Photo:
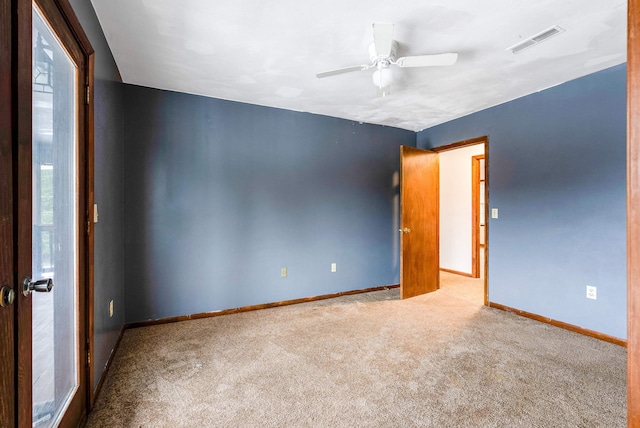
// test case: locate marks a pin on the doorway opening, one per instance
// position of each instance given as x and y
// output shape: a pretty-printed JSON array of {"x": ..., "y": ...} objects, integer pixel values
[{"x": 463, "y": 214}]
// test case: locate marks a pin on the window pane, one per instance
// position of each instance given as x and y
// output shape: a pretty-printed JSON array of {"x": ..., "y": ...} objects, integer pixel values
[{"x": 55, "y": 377}]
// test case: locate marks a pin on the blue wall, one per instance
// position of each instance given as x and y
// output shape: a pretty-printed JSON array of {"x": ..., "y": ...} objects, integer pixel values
[
  {"x": 220, "y": 195},
  {"x": 558, "y": 177},
  {"x": 108, "y": 99}
]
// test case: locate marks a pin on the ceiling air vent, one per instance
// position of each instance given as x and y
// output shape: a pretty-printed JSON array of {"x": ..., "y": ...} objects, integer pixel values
[{"x": 536, "y": 39}]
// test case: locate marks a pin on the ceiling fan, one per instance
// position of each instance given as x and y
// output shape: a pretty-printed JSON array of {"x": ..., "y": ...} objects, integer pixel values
[{"x": 382, "y": 52}]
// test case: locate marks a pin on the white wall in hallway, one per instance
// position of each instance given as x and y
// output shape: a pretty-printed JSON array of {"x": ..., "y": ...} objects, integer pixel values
[{"x": 455, "y": 207}]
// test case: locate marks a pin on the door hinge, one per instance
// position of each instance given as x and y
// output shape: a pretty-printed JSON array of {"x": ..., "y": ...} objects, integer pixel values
[
  {"x": 88, "y": 358},
  {"x": 88, "y": 91},
  {"x": 88, "y": 227}
]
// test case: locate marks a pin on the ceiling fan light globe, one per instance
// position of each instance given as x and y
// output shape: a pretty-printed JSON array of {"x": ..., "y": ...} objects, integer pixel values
[{"x": 382, "y": 77}]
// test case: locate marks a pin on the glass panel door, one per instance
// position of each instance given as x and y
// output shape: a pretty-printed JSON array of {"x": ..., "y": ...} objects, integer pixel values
[{"x": 55, "y": 226}]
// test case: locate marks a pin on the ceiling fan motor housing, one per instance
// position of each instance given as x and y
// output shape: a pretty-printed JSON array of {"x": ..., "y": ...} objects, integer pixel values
[{"x": 375, "y": 58}]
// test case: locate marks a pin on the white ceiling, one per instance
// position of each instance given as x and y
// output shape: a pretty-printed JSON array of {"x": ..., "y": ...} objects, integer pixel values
[{"x": 267, "y": 52}]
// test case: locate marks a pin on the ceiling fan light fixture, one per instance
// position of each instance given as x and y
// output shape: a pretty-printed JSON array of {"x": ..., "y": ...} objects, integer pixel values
[{"x": 382, "y": 77}]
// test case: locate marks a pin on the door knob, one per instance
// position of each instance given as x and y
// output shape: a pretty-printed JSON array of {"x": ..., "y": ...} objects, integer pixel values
[
  {"x": 8, "y": 296},
  {"x": 41, "y": 285},
  {"x": 404, "y": 230}
]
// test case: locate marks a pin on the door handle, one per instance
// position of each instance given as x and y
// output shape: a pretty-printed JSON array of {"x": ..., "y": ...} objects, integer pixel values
[
  {"x": 404, "y": 230},
  {"x": 8, "y": 296},
  {"x": 41, "y": 285}
]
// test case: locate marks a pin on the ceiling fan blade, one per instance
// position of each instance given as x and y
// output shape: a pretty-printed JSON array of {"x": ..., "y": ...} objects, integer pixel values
[
  {"x": 427, "y": 60},
  {"x": 383, "y": 39},
  {"x": 341, "y": 71}
]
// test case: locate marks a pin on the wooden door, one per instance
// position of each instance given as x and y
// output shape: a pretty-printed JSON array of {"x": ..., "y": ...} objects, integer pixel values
[
  {"x": 58, "y": 220},
  {"x": 420, "y": 222},
  {"x": 43, "y": 179},
  {"x": 478, "y": 208},
  {"x": 7, "y": 310}
]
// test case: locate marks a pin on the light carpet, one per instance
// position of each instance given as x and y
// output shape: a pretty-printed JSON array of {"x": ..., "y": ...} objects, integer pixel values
[{"x": 367, "y": 360}]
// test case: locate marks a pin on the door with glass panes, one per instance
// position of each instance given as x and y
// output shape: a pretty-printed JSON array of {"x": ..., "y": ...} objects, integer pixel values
[{"x": 48, "y": 235}]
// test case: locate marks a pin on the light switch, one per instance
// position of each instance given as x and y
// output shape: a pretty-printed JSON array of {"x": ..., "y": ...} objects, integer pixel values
[
  {"x": 494, "y": 213},
  {"x": 95, "y": 213}
]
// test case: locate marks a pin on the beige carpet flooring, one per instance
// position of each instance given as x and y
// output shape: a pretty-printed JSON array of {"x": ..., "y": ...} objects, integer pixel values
[{"x": 368, "y": 360}]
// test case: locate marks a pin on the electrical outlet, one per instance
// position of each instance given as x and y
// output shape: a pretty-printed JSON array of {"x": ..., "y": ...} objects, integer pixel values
[
  {"x": 283, "y": 272},
  {"x": 334, "y": 267},
  {"x": 592, "y": 292},
  {"x": 110, "y": 308}
]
